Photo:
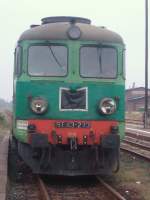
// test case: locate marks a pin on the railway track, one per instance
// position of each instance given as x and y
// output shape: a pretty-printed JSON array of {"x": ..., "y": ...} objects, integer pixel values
[
  {"x": 42, "y": 189},
  {"x": 97, "y": 190},
  {"x": 60, "y": 188},
  {"x": 136, "y": 151},
  {"x": 138, "y": 134},
  {"x": 134, "y": 121},
  {"x": 137, "y": 143}
]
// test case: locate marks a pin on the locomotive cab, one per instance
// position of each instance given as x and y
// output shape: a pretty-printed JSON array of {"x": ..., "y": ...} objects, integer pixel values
[{"x": 69, "y": 97}]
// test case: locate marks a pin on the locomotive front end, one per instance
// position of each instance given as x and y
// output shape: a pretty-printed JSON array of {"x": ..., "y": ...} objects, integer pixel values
[{"x": 69, "y": 97}]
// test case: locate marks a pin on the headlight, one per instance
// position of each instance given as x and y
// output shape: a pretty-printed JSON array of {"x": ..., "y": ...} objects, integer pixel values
[
  {"x": 74, "y": 32},
  {"x": 107, "y": 106},
  {"x": 39, "y": 105}
]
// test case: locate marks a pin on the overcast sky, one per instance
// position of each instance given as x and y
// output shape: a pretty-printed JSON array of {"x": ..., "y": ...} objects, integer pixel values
[{"x": 123, "y": 16}]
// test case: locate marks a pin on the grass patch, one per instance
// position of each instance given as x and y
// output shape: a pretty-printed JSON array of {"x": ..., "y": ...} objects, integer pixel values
[
  {"x": 5, "y": 124},
  {"x": 133, "y": 178}
]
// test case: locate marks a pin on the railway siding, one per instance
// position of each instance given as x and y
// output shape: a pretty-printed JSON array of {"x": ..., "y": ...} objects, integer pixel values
[
  {"x": 3, "y": 166},
  {"x": 137, "y": 142},
  {"x": 138, "y": 134}
]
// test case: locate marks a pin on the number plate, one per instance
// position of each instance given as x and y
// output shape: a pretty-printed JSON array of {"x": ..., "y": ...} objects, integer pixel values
[{"x": 72, "y": 125}]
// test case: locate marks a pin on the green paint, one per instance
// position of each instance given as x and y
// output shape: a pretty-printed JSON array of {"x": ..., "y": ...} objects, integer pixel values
[
  {"x": 21, "y": 135},
  {"x": 50, "y": 91},
  {"x": 121, "y": 130},
  {"x": 48, "y": 87}
]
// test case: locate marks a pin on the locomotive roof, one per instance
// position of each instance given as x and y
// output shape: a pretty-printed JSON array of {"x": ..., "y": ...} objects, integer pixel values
[{"x": 58, "y": 31}]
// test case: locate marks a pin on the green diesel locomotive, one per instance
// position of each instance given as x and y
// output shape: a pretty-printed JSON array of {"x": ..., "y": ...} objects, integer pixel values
[{"x": 69, "y": 97}]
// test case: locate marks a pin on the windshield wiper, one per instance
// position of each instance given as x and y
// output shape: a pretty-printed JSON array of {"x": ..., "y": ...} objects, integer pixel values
[
  {"x": 55, "y": 58},
  {"x": 100, "y": 59}
]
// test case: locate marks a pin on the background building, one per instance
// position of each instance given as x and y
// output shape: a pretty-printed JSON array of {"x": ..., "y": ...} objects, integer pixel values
[{"x": 135, "y": 99}]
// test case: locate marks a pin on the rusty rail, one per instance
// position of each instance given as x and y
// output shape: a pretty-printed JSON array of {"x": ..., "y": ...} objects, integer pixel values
[
  {"x": 112, "y": 190},
  {"x": 43, "y": 192},
  {"x": 136, "y": 153}
]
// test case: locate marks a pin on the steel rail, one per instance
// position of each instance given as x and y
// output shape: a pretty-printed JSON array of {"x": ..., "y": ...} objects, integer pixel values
[
  {"x": 138, "y": 135},
  {"x": 138, "y": 130},
  {"x": 138, "y": 122},
  {"x": 137, "y": 144},
  {"x": 43, "y": 192},
  {"x": 112, "y": 190},
  {"x": 135, "y": 153}
]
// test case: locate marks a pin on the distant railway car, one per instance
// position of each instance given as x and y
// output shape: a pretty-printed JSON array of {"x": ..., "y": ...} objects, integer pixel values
[{"x": 69, "y": 97}]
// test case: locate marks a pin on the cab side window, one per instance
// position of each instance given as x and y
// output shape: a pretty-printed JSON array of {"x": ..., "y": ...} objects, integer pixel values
[
  {"x": 18, "y": 61},
  {"x": 124, "y": 64}
]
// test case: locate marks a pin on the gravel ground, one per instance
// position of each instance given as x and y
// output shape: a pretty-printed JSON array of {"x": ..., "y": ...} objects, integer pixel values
[
  {"x": 3, "y": 132},
  {"x": 24, "y": 186},
  {"x": 133, "y": 178},
  {"x": 1, "y": 138}
]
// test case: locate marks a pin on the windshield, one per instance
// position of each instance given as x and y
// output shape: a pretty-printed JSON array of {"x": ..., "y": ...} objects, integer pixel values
[
  {"x": 47, "y": 61},
  {"x": 98, "y": 62}
]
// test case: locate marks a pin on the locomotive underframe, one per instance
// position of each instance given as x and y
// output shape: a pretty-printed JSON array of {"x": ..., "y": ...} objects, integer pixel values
[{"x": 64, "y": 160}]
